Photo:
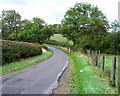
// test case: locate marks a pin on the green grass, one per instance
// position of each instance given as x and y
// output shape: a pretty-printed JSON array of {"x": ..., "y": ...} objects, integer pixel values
[
  {"x": 86, "y": 78},
  {"x": 24, "y": 63},
  {"x": 108, "y": 64},
  {"x": 60, "y": 38}
]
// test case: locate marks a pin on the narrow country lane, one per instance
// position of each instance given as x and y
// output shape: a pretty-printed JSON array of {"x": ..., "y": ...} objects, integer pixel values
[{"x": 37, "y": 79}]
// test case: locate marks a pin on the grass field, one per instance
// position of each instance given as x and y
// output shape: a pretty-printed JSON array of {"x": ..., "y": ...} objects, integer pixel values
[
  {"x": 24, "y": 63},
  {"x": 60, "y": 38}
]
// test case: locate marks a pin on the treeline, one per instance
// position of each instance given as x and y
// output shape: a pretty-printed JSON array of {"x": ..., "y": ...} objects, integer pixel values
[
  {"x": 84, "y": 24},
  {"x": 34, "y": 30}
]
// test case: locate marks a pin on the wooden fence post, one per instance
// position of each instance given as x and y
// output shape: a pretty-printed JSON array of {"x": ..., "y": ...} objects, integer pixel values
[
  {"x": 113, "y": 70},
  {"x": 103, "y": 62},
  {"x": 99, "y": 59},
  {"x": 88, "y": 51},
  {"x": 69, "y": 49},
  {"x": 92, "y": 53},
  {"x": 96, "y": 58}
]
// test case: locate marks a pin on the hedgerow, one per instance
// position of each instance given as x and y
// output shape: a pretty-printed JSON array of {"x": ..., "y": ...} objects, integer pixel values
[{"x": 13, "y": 50}]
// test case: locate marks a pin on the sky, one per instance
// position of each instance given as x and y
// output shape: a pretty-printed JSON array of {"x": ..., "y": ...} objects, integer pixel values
[{"x": 53, "y": 11}]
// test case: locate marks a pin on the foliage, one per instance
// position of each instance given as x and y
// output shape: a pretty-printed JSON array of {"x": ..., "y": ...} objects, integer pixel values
[
  {"x": 35, "y": 30},
  {"x": 85, "y": 20},
  {"x": 56, "y": 28},
  {"x": 113, "y": 42},
  {"x": 84, "y": 24},
  {"x": 13, "y": 50},
  {"x": 10, "y": 19},
  {"x": 115, "y": 26}
]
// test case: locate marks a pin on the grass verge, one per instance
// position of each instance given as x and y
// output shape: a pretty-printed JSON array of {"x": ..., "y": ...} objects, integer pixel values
[
  {"x": 86, "y": 78},
  {"x": 24, "y": 63}
]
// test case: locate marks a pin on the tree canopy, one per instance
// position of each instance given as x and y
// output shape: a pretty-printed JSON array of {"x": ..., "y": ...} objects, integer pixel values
[
  {"x": 84, "y": 20},
  {"x": 35, "y": 30}
]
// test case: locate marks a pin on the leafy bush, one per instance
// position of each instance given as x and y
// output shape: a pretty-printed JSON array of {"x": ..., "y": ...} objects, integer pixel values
[{"x": 13, "y": 50}]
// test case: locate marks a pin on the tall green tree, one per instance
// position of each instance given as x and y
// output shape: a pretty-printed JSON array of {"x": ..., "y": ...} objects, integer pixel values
[
  {"x": 26, "y": 33},
  {"x": 10, "y": 20},
  {"x": 35, "y": 30},
  {"x": 84, "y": 19}
]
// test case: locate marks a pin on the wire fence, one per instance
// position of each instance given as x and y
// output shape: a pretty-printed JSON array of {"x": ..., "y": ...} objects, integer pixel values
[{"x": 100, "y": 60}]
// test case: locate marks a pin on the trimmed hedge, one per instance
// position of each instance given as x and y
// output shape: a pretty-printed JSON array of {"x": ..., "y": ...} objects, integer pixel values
[{"x": 13, "y": 50}]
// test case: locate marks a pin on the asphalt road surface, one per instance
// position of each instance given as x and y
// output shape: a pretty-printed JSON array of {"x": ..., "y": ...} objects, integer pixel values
[{"x": 37, "y": 79}]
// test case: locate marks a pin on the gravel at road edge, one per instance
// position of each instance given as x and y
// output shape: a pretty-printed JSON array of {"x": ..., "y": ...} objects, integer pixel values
[{"x": 63, "y": 86}]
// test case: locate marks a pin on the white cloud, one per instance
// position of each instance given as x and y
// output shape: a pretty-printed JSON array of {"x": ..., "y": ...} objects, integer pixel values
[{"x": 53, "y": 11}]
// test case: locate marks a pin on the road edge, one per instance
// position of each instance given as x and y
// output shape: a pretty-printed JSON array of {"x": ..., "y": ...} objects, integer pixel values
[{"x": 55, "y": 84}]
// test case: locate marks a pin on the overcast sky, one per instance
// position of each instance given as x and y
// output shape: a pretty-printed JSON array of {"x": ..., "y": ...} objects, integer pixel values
[{"x": 53, "y": 11}]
